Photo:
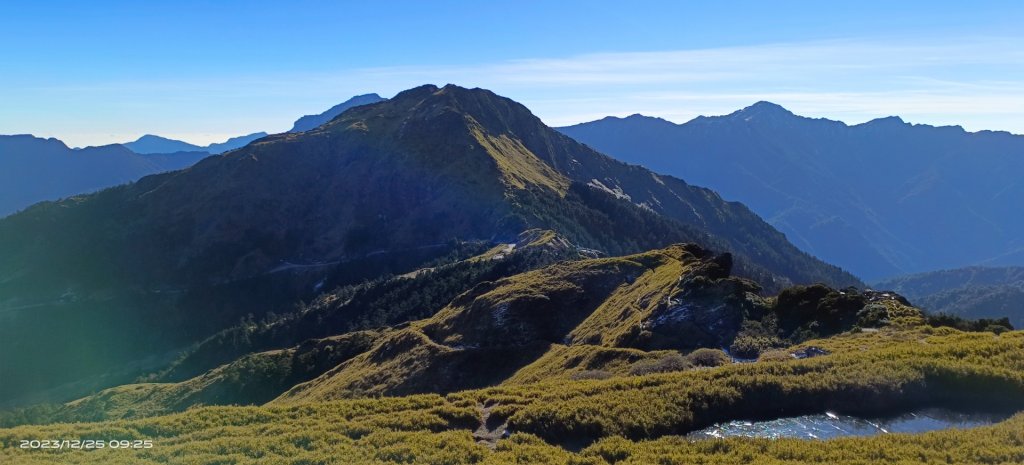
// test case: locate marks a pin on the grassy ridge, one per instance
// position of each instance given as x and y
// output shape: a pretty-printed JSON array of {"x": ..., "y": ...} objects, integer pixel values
[
  {"x": 251, "y": 380},
  {"x": 568, "y": 362},
  {"x": 587, "y": 319},
  {"x": 890, "y": 369},
  {"x": 383, "y": 301},
  {"x": 480, "y": 339}
]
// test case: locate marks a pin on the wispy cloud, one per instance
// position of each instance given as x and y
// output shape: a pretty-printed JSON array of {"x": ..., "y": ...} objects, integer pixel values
[{"x": 977, "y": 82}]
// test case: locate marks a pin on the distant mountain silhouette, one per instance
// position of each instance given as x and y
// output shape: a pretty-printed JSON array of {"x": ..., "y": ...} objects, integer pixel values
[
  {"x": 312, "y": 121},
  {"x": 882, "y": 198},
  {"x": 34, "y": 169},
  {"x": 973, "y": 292},
  {"x": 149, "y": 143}
]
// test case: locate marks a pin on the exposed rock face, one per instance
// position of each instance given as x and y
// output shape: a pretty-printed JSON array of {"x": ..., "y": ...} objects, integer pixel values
[
  {"x": 809, "y": 352},
  {"x": 539, "y": 307},
  {"x": 706, "y": 310}
]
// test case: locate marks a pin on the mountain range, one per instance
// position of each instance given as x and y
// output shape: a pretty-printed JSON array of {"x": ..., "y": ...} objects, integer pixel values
[
  {"x": 973, "y": 292},
  {"x": 818, "y": 181},
  {"x": 133, "y": 273},
  {"x": 442, "y": 278},
  {"x": 882, "y": 198},
  {"x": 34, "y": 169},
  {"x": 149, "y": 143}
]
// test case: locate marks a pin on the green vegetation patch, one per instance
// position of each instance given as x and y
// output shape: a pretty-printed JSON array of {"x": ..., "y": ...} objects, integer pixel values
[{"x": 888, "y": 370}]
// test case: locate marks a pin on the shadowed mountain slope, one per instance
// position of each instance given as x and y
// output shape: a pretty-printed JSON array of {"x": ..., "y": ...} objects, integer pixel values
[
  {"x": 869, "y": 197},
  {"x": 308, "y": 122},
  {"x": 145, "y": 268},
  {"x": 665, "y": 310},
  {"x": 33, "y": 169},
  {"x": 973, "y": 292}
]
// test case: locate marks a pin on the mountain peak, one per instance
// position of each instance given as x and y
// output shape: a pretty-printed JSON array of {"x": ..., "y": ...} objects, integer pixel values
[
  {"x": 150, "y": 143},
  {"x": 30, "y": 140},
  {"x": 417, "y": 92},
  {"x": 497, "y": 114},
  {"x": 150, "y": 137},
  {"x": 639, "y": 117},
  {"x": 764, "y": 108},
  {"x": 516, "y": 142},
  {"x": 636, "y": 119},
  {"x": 887, "y": 121},
  {"x": 308, "y": 122},
  {"x": 459, "y": 93}
]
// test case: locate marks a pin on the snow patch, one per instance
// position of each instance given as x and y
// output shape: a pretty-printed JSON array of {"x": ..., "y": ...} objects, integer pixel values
[{"x": 616, "y": 191}]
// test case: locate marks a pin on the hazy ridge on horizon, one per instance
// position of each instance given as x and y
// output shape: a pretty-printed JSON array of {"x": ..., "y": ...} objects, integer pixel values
[{"x": 868, "y": 197}]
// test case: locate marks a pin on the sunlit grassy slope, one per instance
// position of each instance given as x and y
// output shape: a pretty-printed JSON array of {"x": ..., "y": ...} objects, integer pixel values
[
  {"x": 660, "y": 311},
  {"x": 629, "y": 420},
  {"x": 95, "y": 285}
]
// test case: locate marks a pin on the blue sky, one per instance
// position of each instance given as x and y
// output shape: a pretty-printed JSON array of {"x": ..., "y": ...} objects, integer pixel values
[{"x": 101, "y": 72}]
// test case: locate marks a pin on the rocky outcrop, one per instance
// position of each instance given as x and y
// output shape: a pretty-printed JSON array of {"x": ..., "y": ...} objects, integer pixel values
[{"x": 706, "y": 310}]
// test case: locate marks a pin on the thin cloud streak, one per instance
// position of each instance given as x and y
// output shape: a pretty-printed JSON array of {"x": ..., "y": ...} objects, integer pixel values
[{"x": 948, "y": 81}]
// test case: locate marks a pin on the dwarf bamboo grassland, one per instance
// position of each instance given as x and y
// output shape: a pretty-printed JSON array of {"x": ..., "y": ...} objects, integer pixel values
[{"x": 624, "y": 419}]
